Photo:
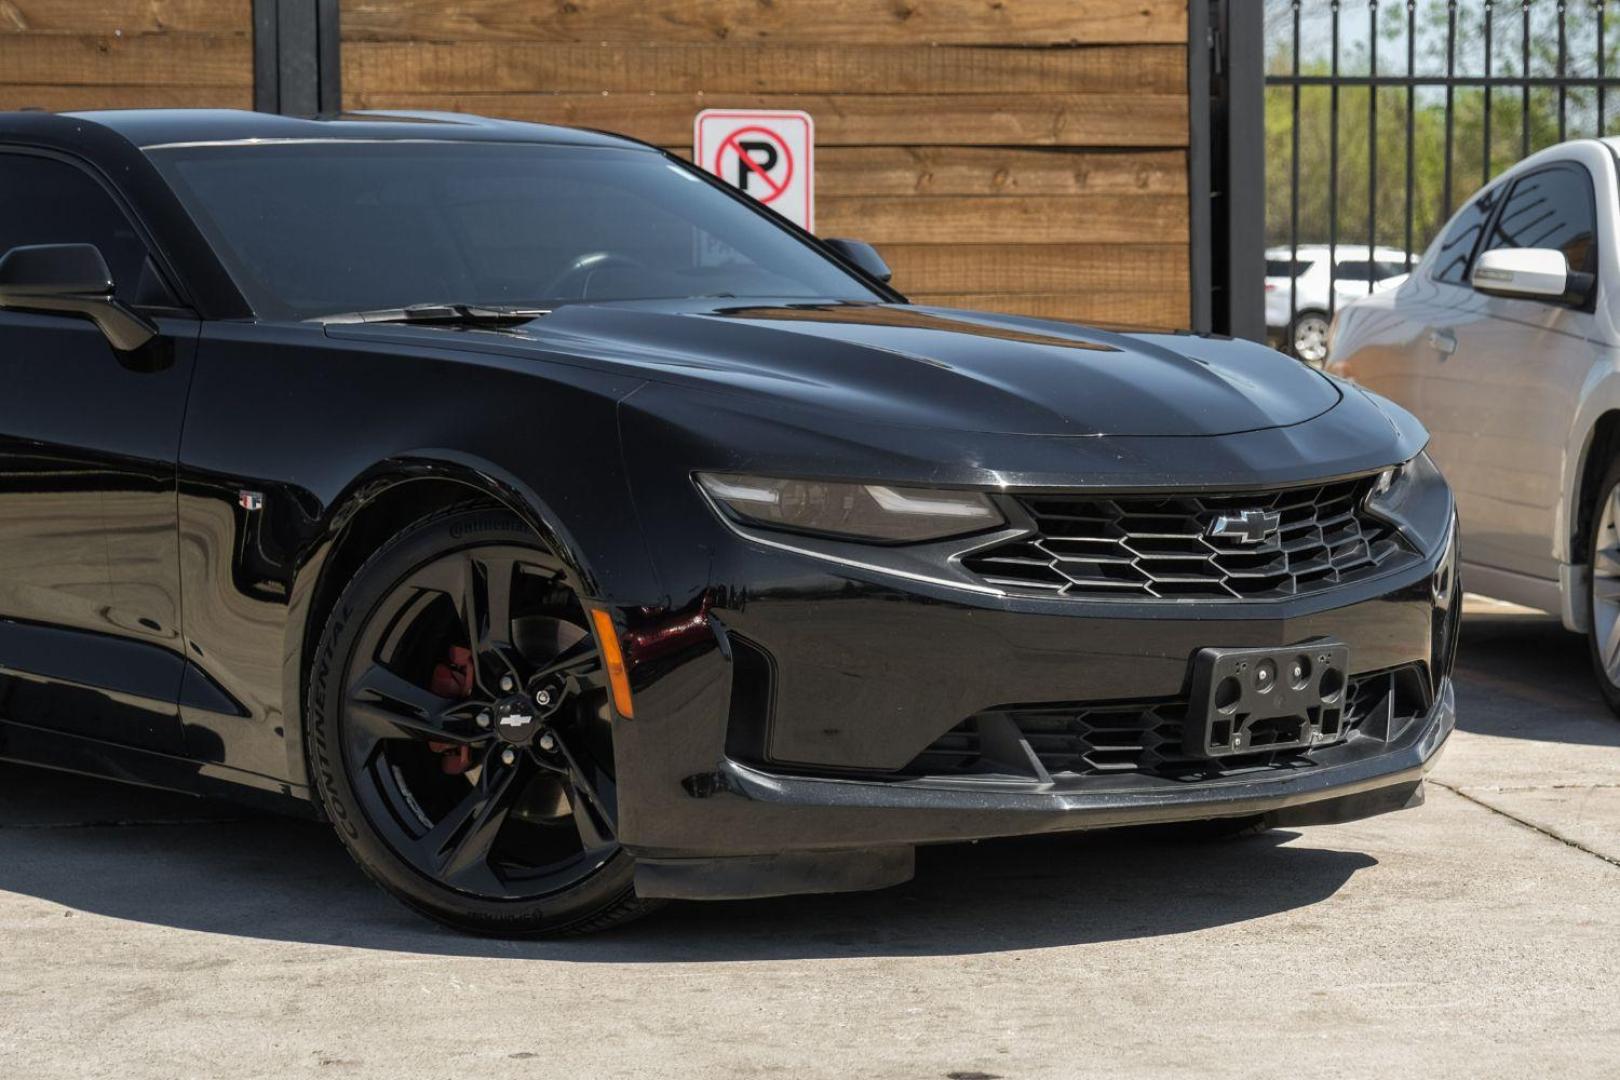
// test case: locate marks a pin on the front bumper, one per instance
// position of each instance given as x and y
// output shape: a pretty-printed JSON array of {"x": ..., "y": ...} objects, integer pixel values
[
  {"x": 783, "y": 700},
  {"x": 1312, "y": 795},
  {"x": 776, "y": 722},
  {"x": 910, "y": 815}
]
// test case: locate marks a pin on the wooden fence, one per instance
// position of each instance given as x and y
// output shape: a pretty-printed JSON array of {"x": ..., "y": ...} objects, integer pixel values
[
  {"x": 1016, "y": 155},
  {"x": 88, "y": 54},
  {"x": 1026, "y": 156}
]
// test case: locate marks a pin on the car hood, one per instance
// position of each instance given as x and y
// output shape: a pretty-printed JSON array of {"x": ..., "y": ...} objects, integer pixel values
[{"x": 918, "y": 366}]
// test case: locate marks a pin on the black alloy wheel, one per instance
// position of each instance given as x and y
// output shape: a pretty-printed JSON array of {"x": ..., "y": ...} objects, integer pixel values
[{"x": 461, "y": 737}]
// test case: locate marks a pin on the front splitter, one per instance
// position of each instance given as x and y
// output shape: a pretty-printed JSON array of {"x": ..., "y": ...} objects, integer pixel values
[{"x": 862, "y": 813}]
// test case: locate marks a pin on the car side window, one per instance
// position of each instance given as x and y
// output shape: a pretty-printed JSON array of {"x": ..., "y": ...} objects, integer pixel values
[
  {"x": 1551, "y": 208},
  {"x": 1285, "y": 268},
  {"x": 1456, "y": 254},
  {"x": 1353, "y": 270},
  {"x": 48, "y": 201}
]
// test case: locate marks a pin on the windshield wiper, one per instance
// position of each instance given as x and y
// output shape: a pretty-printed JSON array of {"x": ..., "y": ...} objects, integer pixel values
[{"x": 443, "y": 314}]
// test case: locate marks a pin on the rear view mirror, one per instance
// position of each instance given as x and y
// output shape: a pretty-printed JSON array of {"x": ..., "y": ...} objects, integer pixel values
[
  {"x": 864, "y": 256},
  {"x": 1529, "y": 274},
  {"x": 73, "y": 279}
]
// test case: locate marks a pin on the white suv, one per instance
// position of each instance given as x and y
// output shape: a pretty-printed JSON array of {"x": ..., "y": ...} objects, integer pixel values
[
  {"x": 1303, "y": 326},
  {"x": 1505, "y": 342}
]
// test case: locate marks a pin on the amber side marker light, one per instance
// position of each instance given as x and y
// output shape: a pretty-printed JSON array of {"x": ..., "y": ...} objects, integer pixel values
[{"x": 608, "y": 639}]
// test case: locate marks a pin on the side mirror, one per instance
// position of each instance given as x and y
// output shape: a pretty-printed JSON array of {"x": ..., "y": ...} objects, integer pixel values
[
  {"x": 74, "y": 279},
  {"x": 1530, "y": 274},
  {"x": 864, "y": 256}
]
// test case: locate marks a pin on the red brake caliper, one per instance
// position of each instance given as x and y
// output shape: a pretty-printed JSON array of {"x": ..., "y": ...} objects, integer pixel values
[{"x": 454, "y": 679}]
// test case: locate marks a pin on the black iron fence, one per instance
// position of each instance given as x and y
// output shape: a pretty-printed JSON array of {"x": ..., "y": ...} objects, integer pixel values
[{"x": 1382, "y": 116}]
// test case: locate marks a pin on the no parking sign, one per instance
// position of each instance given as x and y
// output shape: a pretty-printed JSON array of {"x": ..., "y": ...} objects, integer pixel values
[{"x": 766, "y": 154}]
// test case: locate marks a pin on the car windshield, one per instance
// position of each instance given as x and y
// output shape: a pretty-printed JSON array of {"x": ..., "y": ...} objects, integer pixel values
[{"x": 322, "y": 228}]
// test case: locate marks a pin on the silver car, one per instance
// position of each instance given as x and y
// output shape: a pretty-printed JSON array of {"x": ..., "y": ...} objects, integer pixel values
[{"x": 1504, "y": 342}]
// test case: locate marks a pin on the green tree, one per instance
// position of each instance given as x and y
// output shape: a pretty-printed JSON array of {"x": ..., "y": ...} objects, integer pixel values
[{"x": 1471, "y": 164}]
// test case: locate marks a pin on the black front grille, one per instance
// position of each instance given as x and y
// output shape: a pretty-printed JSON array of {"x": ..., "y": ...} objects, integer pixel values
[
  {"x": 1145, "y": 737},
  {"x": 1157, "y": 547}
]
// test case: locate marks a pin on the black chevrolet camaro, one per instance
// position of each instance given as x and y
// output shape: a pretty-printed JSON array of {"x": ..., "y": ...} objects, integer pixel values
[{"x": 573, "y": 533}]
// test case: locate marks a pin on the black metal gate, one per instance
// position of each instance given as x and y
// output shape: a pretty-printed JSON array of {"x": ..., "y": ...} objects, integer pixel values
[
  {"x": 296, "y": 64},
  {"x": 1422, "y": 101}
]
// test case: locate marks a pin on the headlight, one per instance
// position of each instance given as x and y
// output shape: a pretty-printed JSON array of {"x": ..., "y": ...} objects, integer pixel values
[
  {"x": 1397, "y": 496},
  {"x": 880, "y": 512}
]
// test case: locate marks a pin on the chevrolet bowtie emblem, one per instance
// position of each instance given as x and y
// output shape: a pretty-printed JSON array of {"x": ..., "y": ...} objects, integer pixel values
[{"x": 1247, "y": 526}]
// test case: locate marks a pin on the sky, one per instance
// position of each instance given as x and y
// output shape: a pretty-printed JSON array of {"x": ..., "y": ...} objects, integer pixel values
[{"x": 1316, "y": 34}]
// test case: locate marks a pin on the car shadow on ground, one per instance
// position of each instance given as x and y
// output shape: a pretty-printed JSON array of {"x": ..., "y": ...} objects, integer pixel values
[
  {"x": 1513, "y": 653},
  {"x": 159, "y": 859}
]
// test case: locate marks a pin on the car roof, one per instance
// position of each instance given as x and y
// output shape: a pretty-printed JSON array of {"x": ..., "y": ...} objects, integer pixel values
[
  {"x": 1342, "y": 252},
  {"x": 148, "y": 128}
]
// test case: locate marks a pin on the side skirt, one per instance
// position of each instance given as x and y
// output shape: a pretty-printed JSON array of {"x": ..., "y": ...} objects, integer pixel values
[
  {"x": 1521, "y": 589},
  {"x": 147, "y": 768}
]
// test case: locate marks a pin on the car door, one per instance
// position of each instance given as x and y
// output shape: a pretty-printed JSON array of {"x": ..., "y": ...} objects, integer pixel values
[
  {"x": 1511, "y": 386},
  {"x": 89, "y": 581},
  {"x": 1409, "y": 356}
]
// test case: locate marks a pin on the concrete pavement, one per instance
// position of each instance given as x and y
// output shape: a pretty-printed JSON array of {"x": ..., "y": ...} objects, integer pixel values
[{"x": 1478, "y": 936}]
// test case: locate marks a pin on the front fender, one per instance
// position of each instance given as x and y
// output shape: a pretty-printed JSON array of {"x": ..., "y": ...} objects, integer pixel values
[
  {"x": 481, "y": 477},
  {"x": 332, "y": 430},
  {"x": 1600, "y": 393},
  {"x": 392, "y": 491},
  {"x": 1599, "y": 396}
]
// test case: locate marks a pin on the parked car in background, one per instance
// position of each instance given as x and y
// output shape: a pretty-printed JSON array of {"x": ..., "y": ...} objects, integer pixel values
[
  {"x": 1302, "y": 327},
  {"x": 1504, "y": 341}
]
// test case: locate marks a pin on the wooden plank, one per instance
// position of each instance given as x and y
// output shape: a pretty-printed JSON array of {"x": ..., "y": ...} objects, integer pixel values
[
  {"x": 1130, "y": 310},
  {"x": 1037, "y": 268},
  {"x": 953, "y": 170},
  {"x": 1120, "y": 119},
  {"x": 1073, "y": 219},
  {"x": 127, "y": 16},
  {"x": 171, "y": 59},
  {"x": 596, "y": 67},
  {"x": 973, "y": 170},
  {"x": 80, "y": 98},
  {"x": 827, "y": 22}
]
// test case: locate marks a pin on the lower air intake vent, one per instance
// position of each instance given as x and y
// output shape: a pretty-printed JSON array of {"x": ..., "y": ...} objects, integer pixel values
[{"x": 1145, "y": 737}]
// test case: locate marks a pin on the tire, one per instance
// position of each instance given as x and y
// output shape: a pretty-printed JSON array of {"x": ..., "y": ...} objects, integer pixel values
[
  {"x": 1602, "y": 596},
  {"x": 1307, "y": 337},
  {"x": 476, "y": 804}
]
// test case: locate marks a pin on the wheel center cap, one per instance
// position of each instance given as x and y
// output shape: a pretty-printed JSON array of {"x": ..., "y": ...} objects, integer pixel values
[{"x": 515, "y": 720}]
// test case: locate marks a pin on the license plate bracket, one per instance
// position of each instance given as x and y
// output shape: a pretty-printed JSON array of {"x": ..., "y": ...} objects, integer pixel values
[{"x": 1247, "y": 701}]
